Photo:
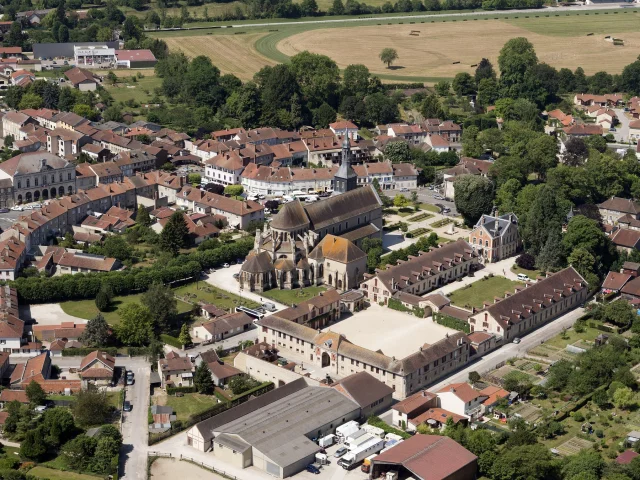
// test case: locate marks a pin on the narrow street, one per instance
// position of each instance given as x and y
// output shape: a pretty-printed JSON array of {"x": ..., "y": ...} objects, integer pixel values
[{"x": 133, "y": 455}]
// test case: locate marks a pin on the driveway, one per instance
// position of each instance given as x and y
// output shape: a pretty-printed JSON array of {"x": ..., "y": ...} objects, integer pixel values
[
  {"x": 133, "y": 454},
  {"x": 47, "y": 314},
  {"x": 622, "y": 129}
]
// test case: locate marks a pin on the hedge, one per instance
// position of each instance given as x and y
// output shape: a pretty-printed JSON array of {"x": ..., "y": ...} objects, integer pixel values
[
  {"x": 178, "y": 427},
  {"x": 124, "y": 282},
  {"x": 173, "y": 341},
  {"x": 452, "y": 322},
  {"x": 417, "y": 232},
  {"x": 377, "y": 422},
  {"x": 83, "y": 352},
  {"x": 398, "y": 305},
  {"x": 174, "y": 390}
]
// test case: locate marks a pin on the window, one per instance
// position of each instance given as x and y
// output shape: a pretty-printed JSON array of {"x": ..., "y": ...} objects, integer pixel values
[
  {"x": 28, "y": 183},
  {"x": 69, "y": 176},
  {"x": 35, "y": 181}
]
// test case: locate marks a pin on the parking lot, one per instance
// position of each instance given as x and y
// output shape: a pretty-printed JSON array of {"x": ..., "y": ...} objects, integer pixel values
[
  {"x": 333, "y": 471},
  {"x": 9, "y": 218},
  {"x": 397, "y": 334}
]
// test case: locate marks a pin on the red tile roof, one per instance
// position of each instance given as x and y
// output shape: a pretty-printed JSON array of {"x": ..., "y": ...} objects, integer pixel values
[
  {"x": 463, "y": 391},
  {"x": 615, "y": 280}
]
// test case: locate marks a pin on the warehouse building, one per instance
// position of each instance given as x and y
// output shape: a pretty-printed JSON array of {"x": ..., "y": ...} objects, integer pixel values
[{"x": 275, "y": 432}]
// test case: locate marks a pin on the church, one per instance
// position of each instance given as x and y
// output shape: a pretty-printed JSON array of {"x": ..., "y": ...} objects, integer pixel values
[{"x": 317, "y": 244}]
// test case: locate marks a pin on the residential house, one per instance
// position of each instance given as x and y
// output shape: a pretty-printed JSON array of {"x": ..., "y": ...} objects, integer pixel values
[
  {"x": 412, "y": 134},
  {"x": 557, "y": 118},
  {"x": 65, "y": 143},
  {"x": 583, "y": 130},
  {"x": 98, "y": 368},
  {"x": 72, "y": 121},
  {"x": 22, "y": 78},
  {"x": 221, "y": 373},
  {"x": 82, "y": 79},
  {"x": 65, "y": 330},
  {"x": 223, "y": 327},
  {"x": 224, "y": 169},
  {"x": 495, "y": 238},
  {"x": 36, "y": 369},
  {"x": 372, "y": 395},
  {"x": 209, "y": 311},
  {"x": 72, "y": 263},
  {"x": 7, "y": 396},
  {"x": 89, "y": 175},
  {"x": 421, "y": 274},
  {"x": 263, "y": 180},
  {"x": 493, "y": 396},
  {"x": 481, "y": 343},
  {"x": 96, "y": 152},
  {"x": 615, "y": 209},
  {"x": 467, "y": 166},
  {"x": 12, "y": 256},
  {"x": 411, "y": 407},
  {"x": 131, "y": 162},
  {"x": 626, "y": 240},
  {"x": 12, "y": 122},
  {"x": 290, "y": 154},
  {"x": 175, "y": 371},
  {"x": 607, "y": 100},
  {"x": 461, "y": 399},
  {"x": 405, "y": 176},
  {"x": 532, "y": 306},
  {"x": 606, "y": 118},
  {"x": 344, "y": 127},
  {"x": 380, "y": 171},
  {"x": 634, "y": 131}
]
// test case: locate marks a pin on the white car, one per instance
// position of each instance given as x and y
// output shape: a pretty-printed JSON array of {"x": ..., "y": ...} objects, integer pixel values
[
  {"x": 17, "y": 208},
  {"x": 438, "y": 197},
  {"x": 516, "y": 340},
  {"x": 226, "y": 265}
]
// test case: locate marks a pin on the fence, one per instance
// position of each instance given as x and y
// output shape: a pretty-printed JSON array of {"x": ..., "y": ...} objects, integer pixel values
[{"x": 208, "y": 467}]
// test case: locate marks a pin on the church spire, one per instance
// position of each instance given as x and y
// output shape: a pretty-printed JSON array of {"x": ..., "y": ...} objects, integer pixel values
[{"x": 346, "y": 178}]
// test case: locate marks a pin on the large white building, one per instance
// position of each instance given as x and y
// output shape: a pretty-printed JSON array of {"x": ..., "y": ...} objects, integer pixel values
[{"x": 94, "y": 55}]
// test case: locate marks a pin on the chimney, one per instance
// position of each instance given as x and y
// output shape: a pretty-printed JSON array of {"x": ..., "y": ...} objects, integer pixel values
[{"x": 424, "y": 393}]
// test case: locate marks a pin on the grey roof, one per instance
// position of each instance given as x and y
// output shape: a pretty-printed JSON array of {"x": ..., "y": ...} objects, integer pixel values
[
  {"x": 342, "y": 207},
  {"x": 281, "y": 430},
  {"x": 65, "y": 49},
  {"x": 258, "y": 263},
  {"x": 291, "y": 216},
  {"x": 497, "y": 226},
  {"x": 362, "y": 232},
  {"x": 232, "y": 442},
  {"x": 110, "y": 125},
  {"x": 34, "y": 162},
  {"x": 144, "y": 124},
  {"x": 155, "y": 378},
  {"x": 160, "y": 409},
  {"x": 365, "y": 389}
]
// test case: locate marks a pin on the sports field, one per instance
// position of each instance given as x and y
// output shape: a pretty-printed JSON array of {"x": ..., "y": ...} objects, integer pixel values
[{"x": 429, "y": 50}]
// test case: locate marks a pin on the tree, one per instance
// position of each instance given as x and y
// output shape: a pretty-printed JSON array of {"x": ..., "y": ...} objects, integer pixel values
[
  {"x": 35, "y": 393},
  {"x": 473, "y": 197},
  {"x": 576, "y": 151},
  {"x": 431, "y": 108},
  {"x": 324, "y": 115},
  {"x": 631, "y": 78},
  {"x": 398, "y": 152},
  {"x": 241, "y": 383},
  {"x": 526, "y": 462},
  {"x": 112, "y": 113},
  {"x": 442, "y": 88},
  {"x": 136, "y": 325},
  {"x": 105, "y": 458},
  {"x": 463, "y": 84},
  {"x": 58, "y": 426},
  {"x": 582, "y": 232},
  {"x": 96, "y": 332},
  {"x": 488, "y": 92},
  {"x": 162, "y": 304},
  {"x": 33, "y": 446},
  {"x": 356, "y": 81},
  {"x": 484, "y": 71},
  {"x": 400, "y": 200},
  {"x": 102, "y": 301},
  {"x": 202, "y": 379},
  {"x": 516, "y": 57},
  {"x": 92, "y": 406},
  {"x": 233, "y": 190},
  {"x": 318, "y": 77},
  {"x": 619, "y": 313},
  {"x": 388, "y": 56},
  {"x": 142, "y": 217},
  {"x": 116, "y": 246},
  {"x": 79, "y": 452},
  {"x": 526, "y": 261},
  {"x": 185, "y": 336},
  {"x": 30, "y": 100},
  {"x": 586, "y": 460},
  {"x": 337, "y": 8},
  {"x": 474, "y": 377},
  {"x": 623, "y": 398},
  {"x": 175, "y": 233}
]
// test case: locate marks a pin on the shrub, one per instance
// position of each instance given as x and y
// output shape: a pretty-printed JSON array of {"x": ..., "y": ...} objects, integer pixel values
[
  {"x": 526, "y": 261},
  {"x": 169, "y": 340},
  {"x": 578, "y": 417},
  {"x": 174, "y": 390},
  {"x": 452, "y": 322},
  {"x": 599, "y": 433}
]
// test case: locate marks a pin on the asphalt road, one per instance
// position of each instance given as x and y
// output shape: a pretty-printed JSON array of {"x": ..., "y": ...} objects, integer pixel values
[
  {"x": 428, "y": 196},
  {"x": 133, "y": 454}
]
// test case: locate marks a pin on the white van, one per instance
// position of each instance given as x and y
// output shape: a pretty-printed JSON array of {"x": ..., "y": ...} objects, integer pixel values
[{"x": 523, "y": 278}]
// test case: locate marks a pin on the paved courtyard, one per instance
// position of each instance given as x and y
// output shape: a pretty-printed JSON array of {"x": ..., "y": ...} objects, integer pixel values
[
  {"x": 397, "y": 334},
  {"x": 48, "y": 314}
]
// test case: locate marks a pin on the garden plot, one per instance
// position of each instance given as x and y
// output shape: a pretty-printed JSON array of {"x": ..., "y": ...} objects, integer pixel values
[
  {"x": 573, "y": 446},
  {"x": 528, "y": 412}
]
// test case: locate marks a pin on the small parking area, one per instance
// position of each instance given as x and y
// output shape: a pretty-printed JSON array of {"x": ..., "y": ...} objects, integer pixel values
[
  {"x": 9, "y": 218},
  {"x": 396, "y": 333},
  {"x": 332, "y": 471}
]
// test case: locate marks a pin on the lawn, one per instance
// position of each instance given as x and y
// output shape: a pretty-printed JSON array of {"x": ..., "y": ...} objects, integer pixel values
[
  {"x": 428, "y": 207},
  {"x": 570, "y": 337},
  {"x": 190, "y": 404},
  {"x": 290, "y": 297},
  {"x": 483, "y": 290},
  {"x": 51, "y": 474},
  {"x": 532, "y": 274},
  {"x": 142, "y": 90},
  {"x": 87, "y": 308},
  {"x": 210, "y": 294}
]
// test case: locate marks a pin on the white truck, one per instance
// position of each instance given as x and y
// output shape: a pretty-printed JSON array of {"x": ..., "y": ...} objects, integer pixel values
[
  {"x": 343, "y": 431},
  {"x": 362, "y": 451}
]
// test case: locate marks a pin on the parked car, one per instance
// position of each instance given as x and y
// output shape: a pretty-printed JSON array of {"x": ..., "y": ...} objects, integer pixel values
[
  {"x": 340, "y": 452},
  {"x": 4, "y": 210},
  {"x": 271, "y": 307},
  {"x": 516, "y": 340},
  {"x": 313, "y": 469},
  {"x": 130, "y": 381},
  {"x": 17, "y": 208},
  {"x": 127, "y": 407},
  {"x": 524, "y": 278},
  {"x": 438, "y": 197},
  {"x": 130, "y": 374},
  {"x": 226, "y": 265},
  {"x": 41, "y": 408}
]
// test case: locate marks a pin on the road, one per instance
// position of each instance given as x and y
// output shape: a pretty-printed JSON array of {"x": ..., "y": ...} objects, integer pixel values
[
  {"x": 489, "y": 362},
  {"x": 133, "y": 454},
  {"x": 622, "y": 129},
  {"x": 428, "y": 196},
  {"x": 403, "y": 17}
]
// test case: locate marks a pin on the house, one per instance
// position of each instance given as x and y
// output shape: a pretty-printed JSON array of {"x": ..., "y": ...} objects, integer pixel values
[
  {"x": 428, "y": 457},
  {"x": 72, "y": 263},
  {"x": 631, "y": 268},
  {"x": 467, "y": 166},
  {"x": 66, "y": 330},
  {"x": 209, "y": 311},
  {"x": 175, "y": 371},
  {"x": 405, "y": 176},
  {"x": 344, "y": 127},
  {"x": 264, "y": 180},
  {"x": 132, "y": 161},
  {"x": 12, "y": 122},
  {"x": 63, "y": 142},
  {"x": 614, "y": 282},
  {"x": 98, "y": 368},
  {"x": 380, "y": 171},
  {"x": 421, "y": 274},
  {"x": 372, "y": 395},
  {"x": 626, "y": 240},
  {"x": 495, "y": 238},
  {"x": 412, "y": 134},
  {"x": 221, "y": 373},
  {"x": 634, "y": 131},
  {"x": 461, "y": 399},
  {"x": 615, "y": 209},
  {"x": 316, "y": 312},
  {"x": 223, "y": 327},
  {"x": 438, "y": 143},
  {"x": 557, "y": 118},
  {"x": 436, "y": 418},
  {"x": 533, "y": 305},
  {"x": 606, "y": 118},
  {"x": 584, "y": 130},
  {"x": 8, "y": 396},
  {"x": 22, "y": 78},
  {"x": 411, "y": 407},
  {"x": 481, "y": 343},
  {"x": 82, "y": 79},
  {"x": 36, "y": 369},
  {"x": 493, "y": 396},
  {"x": 162, "y": 416},
  {"x": 12, "y": 255}
]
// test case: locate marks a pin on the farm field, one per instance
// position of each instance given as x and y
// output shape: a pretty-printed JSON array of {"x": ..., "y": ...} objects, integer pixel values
[{"x": 429, "y": 54}]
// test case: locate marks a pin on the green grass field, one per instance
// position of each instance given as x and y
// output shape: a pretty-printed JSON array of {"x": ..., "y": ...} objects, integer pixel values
[
  {"x": 51, "y": 474},
  {"x": 142, "y": 90},
  {"x": 190, "y": 404},
  {"x": 483, "y": 290},
  {"x": 87, "y": 308},
  {"x": 210, "y": 294},
  {"x": 290, "y": 297}
]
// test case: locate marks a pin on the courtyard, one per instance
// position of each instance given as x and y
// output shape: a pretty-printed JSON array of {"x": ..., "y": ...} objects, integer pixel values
[{"x": 396, "y": 334}]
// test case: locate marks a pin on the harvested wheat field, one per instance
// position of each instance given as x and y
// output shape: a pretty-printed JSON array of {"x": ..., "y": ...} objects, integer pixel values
[
  {"x": 230, "y": 53},
  {"x": 434, "y": 50}
]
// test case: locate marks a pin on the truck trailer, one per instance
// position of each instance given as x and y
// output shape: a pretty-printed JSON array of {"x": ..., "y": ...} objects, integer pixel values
[{"x": 358, "y": 454}]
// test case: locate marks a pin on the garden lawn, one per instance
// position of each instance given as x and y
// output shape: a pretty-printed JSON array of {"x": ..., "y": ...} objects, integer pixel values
[
  {"x": 215, "y": 296},
  {"x": 483, "y": 290},
  {"x": 87, "y": 308},
  {"x": 428, "y": 207},
  {"x": 571, "y": 336},
  {"x": 532, "y": 274},
  {"x": 141, "y": 91},
  {"x": 51, "y": 474},
  {"x": 190, "y": 404},
  {"x": 289, "y": 297}
]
